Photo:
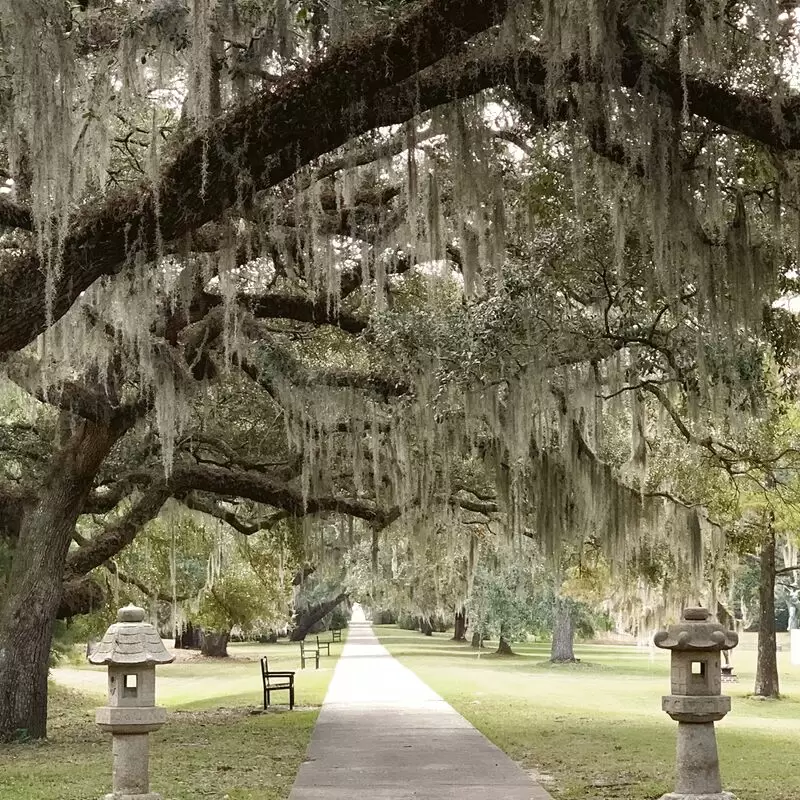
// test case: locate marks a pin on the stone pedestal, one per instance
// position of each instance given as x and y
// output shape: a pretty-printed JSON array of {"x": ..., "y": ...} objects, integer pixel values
[
  {"x": 150, "y": 796},
  {"x": 698, "y": 762},
  {"x": 130, "y": 730},
  {"x": 719, "y": 796},
  {"x": 131, "y": 767},
  {"x": 698, "y": 776}
]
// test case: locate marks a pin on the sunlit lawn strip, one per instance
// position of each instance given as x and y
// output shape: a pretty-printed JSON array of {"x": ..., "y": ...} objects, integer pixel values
[{"x": 595, "y": 730}]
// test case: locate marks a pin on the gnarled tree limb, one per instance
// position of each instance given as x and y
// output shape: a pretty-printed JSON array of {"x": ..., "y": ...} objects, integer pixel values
[{"x": 258, "y": 145}]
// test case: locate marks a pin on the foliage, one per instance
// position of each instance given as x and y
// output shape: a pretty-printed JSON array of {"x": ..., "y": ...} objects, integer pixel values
[
  {"x": 206, "y": 574},
  {"x": 502, "y": 601}
]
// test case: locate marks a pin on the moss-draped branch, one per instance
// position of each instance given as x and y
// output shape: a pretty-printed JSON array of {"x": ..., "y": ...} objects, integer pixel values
[
  {"x": 371, "y": 81},
  {"x": 253, "y": 148}
]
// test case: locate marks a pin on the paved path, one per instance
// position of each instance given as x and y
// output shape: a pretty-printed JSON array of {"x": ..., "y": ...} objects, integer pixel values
[{"x": 383, "y": 734}]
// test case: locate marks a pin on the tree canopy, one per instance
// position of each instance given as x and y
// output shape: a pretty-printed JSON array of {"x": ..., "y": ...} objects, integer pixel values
[{"x": 445, "y": 265}]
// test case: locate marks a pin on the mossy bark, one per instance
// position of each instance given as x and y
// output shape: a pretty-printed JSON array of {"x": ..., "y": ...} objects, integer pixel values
[
  {"x": 767, "y": 683},
  {"x": 562, "y": 649},
  {"x": 503, "y": 647},
  {"x": 460, "y": 625},
  {"x": 35, "y": 583},
  {"x": 215, "y": 644}
]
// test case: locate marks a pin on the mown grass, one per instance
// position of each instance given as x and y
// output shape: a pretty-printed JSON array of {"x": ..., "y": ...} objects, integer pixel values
[
  {"x": 595, "y": 730},
  {"x": 216, "y": 744}
]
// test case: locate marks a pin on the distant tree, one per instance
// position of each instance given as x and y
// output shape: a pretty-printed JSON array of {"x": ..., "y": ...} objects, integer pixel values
[
  {"x": 202, "y": 573},
  {"x": 501, "y": 603}
]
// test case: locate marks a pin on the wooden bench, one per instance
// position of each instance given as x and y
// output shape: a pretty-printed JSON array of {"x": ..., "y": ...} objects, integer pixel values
[
  {"x": 326, "y": 645},
  {"x": 276, "y": 682},
  {"x": 336, "y": 635},
  {"x": 308, "y": 652}
]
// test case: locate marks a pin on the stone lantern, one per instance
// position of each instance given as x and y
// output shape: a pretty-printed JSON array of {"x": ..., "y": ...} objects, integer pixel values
[
  {"x": 697, "y": 702},
  {"x": 131, "y": 649}
]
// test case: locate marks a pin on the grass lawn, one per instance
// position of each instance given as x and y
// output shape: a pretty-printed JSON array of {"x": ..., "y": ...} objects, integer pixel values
[
  {"x": 214, "y": 744},
  {"x": 595, "y": 730}
]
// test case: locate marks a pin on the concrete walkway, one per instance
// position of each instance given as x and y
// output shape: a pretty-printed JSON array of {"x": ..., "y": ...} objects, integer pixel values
[{"x": 383, "y": 734}]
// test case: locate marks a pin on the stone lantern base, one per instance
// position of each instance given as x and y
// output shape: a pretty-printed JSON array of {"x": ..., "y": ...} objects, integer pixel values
[
  {"x": 717, "y": 796},
  {"x": 148, "y": 796}
]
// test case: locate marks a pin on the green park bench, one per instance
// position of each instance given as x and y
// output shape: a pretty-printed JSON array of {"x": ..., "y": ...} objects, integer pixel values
[{"x": 276, "y": 682}]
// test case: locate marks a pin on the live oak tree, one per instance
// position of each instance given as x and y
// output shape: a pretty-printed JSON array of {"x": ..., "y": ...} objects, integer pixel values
[
  {"x": 248, "y": 593},
  {"x": 194, "y": 568},
  {"x": 195, "y": 190},
  {"x": 751, "y": 494},
  {"x": 316, "y": 600},
  {"x": 502, "y": 602}
]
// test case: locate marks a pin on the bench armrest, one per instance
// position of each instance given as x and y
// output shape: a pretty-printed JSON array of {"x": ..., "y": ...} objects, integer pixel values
[{"x": 279, "y": 674}]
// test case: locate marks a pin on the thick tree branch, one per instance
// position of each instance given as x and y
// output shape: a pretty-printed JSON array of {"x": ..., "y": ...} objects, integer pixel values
[
  {"x": 13, "y": 215},
  {"x": 256, "y": 486},
  {"x": 302, "y": 309},
  {"x": 105, "y": 499},
  {"x": 117, "y": 535},
  {"x": 475, "y": 506},
  {"x": 257, "y": 146},
  {"x": 84, "y": 398},
  {"x": 80, "y": 596},
  {"x": 283, "y": 470},
  {"x": 740, "y": 112},
  {"x": 213, "y": 509}
]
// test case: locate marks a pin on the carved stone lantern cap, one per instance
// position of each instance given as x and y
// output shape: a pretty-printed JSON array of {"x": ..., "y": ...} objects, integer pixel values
[
  {"x": 131, "y": 640},
  {"x": 696, "y": 632}
]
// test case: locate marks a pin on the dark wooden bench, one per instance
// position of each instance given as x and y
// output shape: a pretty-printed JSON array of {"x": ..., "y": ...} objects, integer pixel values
[
  {"x": 276, "y": 682},
  {"x": 308, "y": 652},
  {"x": 336, "y": 635},
  {"x": 326, "y": 645}
]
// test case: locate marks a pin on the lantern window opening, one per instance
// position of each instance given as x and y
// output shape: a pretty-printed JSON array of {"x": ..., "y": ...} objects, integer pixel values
[
  {"x": 130, "y": 686},
  {"x": 699, "y": 668}
]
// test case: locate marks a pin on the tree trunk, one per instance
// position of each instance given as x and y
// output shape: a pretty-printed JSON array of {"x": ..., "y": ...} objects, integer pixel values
[
  {"x": 306, "y": 621},
  {"x": 460, "y": 625},
  {"x": 188, "y": 638},
  {"x": 727, "y": 620},
  {"x": 503, "y": 647},
  {"x": 767, "y": 684},
  {"x": 562, "y": 650},
  {"x": 12, "y": 512},
  {"x": 215, "y": 644},
  {"x": 425, "y": 626},
  {"x": 477, "y": 640},
  {"x": 35, "y": 582}
]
